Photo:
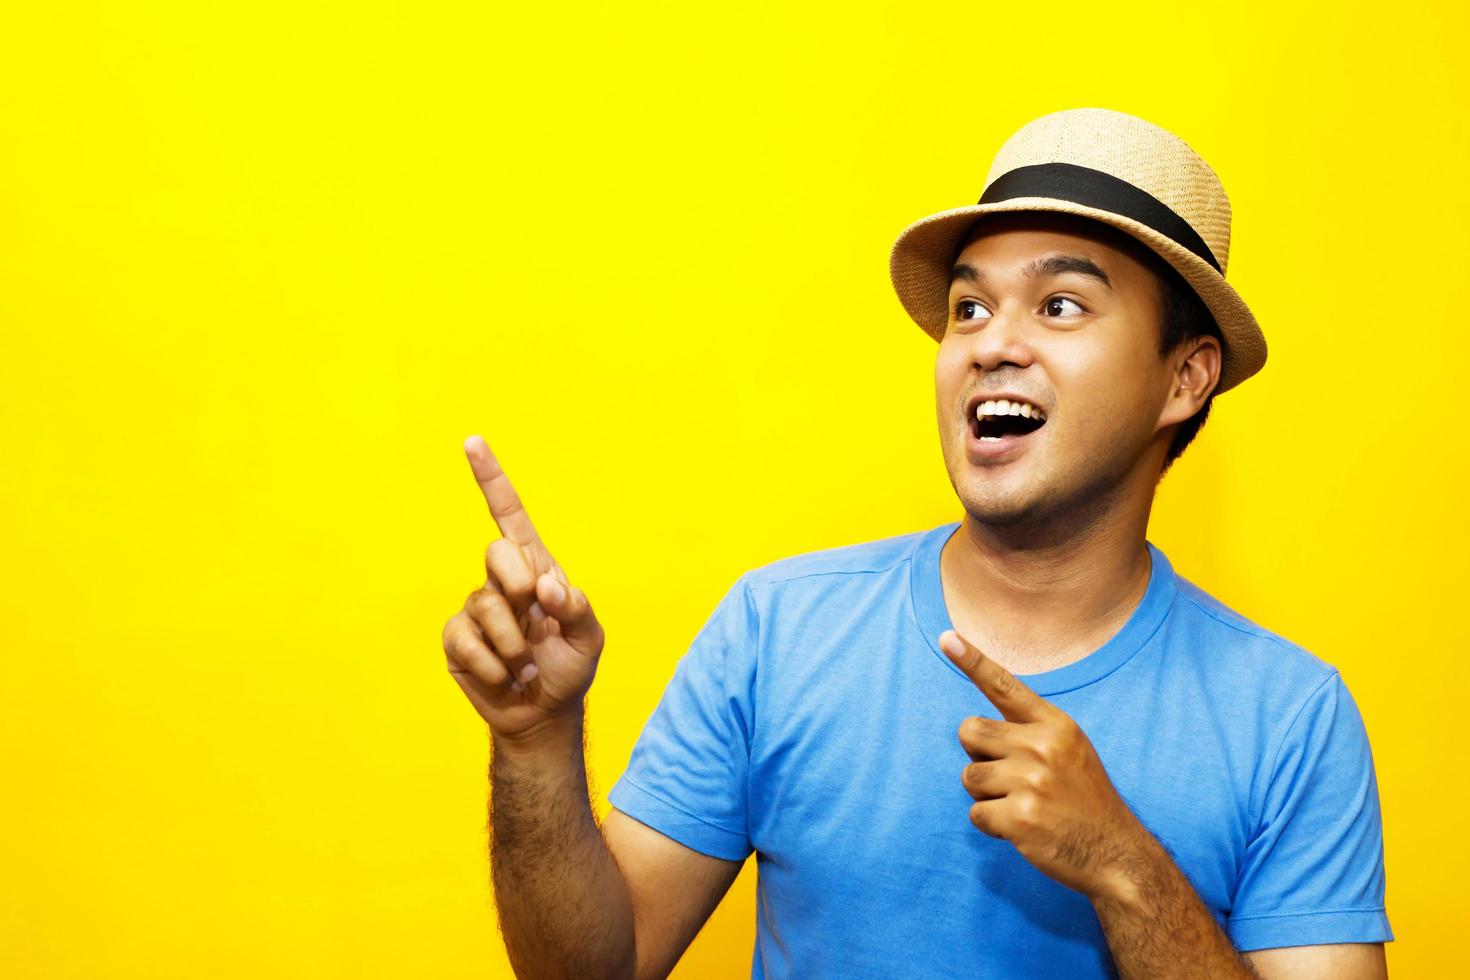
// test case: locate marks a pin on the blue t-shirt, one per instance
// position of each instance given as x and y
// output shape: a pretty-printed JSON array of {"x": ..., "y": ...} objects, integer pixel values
[{"x": 815, "y": 720}]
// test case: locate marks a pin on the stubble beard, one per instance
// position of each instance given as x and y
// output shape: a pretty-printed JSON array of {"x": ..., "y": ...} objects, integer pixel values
[{"x": 1045, "y": 507}]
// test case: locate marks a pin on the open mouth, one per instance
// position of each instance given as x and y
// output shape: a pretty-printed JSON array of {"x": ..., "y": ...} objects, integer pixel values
[
  {"x": 994, "y": 428},
  {"x": 1000, "y": 427}
]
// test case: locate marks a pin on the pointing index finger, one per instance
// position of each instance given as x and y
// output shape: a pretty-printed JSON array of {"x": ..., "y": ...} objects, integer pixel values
[
  {"x": 1015, "y": 700},
  {"x": 505, "y": 504}
]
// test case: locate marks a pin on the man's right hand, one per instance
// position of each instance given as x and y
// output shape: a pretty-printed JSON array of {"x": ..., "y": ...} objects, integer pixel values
[{"x": 525, "y": 646}]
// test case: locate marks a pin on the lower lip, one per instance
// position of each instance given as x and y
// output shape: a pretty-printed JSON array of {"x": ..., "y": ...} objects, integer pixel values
[{"x": 989, "y": 450}]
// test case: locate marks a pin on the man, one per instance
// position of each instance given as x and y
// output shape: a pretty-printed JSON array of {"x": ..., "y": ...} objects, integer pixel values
[{"x": 1016, "y": 745}]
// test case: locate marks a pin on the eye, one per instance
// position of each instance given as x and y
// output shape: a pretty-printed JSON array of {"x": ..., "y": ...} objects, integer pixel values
[
  {"x": 967, "y": 309},
  {"x": 1053, "y": 301}
]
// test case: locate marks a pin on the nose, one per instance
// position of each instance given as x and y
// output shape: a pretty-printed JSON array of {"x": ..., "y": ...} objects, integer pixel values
[{"x": 999, "y": 340}]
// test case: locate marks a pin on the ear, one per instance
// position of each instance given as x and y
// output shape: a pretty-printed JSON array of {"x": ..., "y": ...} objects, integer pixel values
[{"x": 1196, "y": 373}]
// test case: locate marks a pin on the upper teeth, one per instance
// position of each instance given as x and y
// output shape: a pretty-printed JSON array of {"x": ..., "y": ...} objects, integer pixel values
[{"x": 1004, "y": 407}]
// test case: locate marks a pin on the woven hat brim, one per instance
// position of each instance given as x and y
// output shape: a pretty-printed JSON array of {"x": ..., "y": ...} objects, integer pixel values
[{"x": 919, "y": 266}]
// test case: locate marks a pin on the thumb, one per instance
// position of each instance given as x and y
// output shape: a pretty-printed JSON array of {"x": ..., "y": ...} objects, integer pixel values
[{"x": 568, "y": 605}]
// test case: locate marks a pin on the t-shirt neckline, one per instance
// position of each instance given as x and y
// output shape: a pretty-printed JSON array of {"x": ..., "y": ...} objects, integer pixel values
[{"x": 932, "y": 616}]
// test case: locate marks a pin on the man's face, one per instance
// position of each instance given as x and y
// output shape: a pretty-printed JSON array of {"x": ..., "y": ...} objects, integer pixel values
[{"x": 1027, "y": 317}]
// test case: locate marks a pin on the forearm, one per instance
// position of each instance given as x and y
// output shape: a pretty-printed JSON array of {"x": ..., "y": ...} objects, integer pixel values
[
  {"x": 1157, "y": 926},
  {"x": 563, "y": 905}
]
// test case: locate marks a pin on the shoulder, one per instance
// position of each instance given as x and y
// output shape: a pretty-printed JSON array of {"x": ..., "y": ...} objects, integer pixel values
[
  {"x": 1246, "y": 655},
  {"x": 863, "y": 558},
  {"x": 1289, "y": 703}
]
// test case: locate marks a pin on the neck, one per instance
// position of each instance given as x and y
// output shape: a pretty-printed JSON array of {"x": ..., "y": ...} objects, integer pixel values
[{"x": 1037, "y": 598}]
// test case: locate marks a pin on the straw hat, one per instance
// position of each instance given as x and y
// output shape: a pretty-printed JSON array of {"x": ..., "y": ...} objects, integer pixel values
[{"x": 1117, "y": 169}]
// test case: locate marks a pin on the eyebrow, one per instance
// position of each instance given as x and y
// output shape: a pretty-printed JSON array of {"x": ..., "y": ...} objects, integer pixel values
[{"x": 1052, "y": 265}]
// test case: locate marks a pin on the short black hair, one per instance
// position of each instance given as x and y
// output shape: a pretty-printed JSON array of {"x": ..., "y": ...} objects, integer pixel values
[{"x": 1185, "y": 317}]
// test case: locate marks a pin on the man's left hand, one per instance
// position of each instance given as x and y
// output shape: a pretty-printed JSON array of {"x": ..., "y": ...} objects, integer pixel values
[{"x": 1038, "y": 783}]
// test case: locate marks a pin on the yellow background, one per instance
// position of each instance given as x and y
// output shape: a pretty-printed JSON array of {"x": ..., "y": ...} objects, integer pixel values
[{"x": 264, "y": 266}]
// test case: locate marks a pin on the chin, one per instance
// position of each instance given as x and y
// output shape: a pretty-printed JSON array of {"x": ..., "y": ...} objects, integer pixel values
[
  {"x": 991, "y": 495},
  {"x": 998, "y": 513},
  {"x": 987, "y": 500}
]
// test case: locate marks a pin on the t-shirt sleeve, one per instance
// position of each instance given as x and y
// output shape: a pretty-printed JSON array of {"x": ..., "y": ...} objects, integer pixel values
[
  {"x": 1313, "y": 872},
  {"x": 687, "y": 774}
]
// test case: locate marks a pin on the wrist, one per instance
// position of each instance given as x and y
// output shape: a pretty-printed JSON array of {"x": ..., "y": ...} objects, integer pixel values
[
  {"x": 1124, "y": 882},
  {"x": 554, "y": 735},
  {"x": 1118, "y": 890}
]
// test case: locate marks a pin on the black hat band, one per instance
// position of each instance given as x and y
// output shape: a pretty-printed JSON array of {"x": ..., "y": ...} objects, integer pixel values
[{"x": 1096, "y": 189}]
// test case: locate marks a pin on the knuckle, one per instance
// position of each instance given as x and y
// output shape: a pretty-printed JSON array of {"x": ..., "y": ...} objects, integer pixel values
[
  {"x": 509, "y": 638},
  {"x": 981, "y": 821},
  {"x": 978, "y": 727},
  {"x": 1028, "y": 809},
  {"x": 504, "y": 553},
  {"x": 494, "y": 602},
  {"x": 478, "y": 595},
  {"x": 506, "y": 561},
  {"x": 1051, "y": 750},
  {"x": 457, "y": 646},
  {"x": 1037, "y": 780},
  {"x": 493, "y": 612},
  {"x": 483, "y": 604},
  {"x": 1005, "y": 682},
  {"x": 457, "y": 625},
  {"x": 492, "y": 558}
]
